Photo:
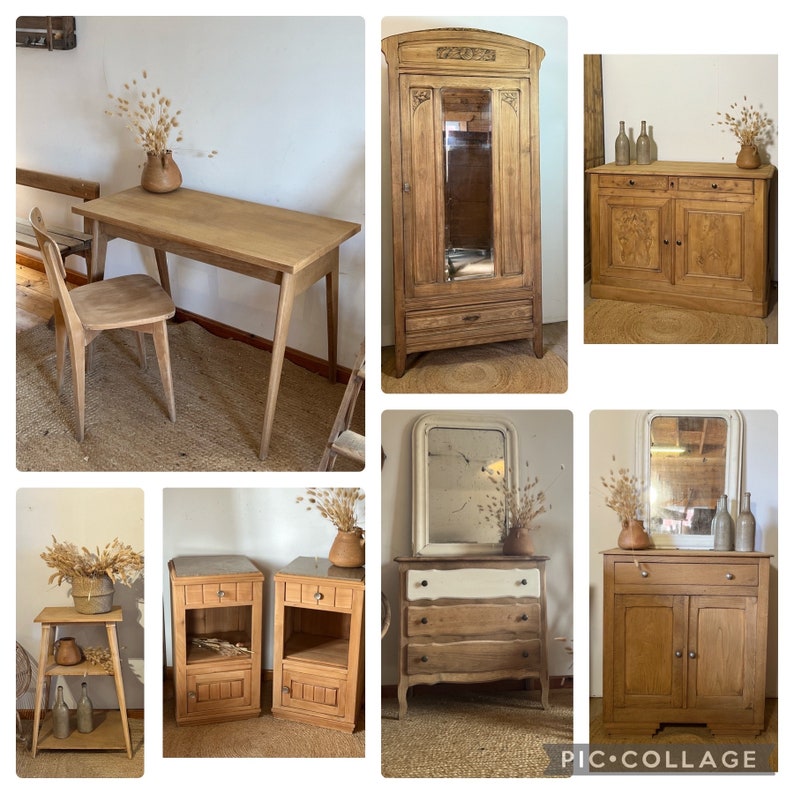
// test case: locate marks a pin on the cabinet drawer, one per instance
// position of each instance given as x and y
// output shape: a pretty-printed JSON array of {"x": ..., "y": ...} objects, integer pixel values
[
  {"x": 467, "y": 620},
  {"x": 633, "y": 181},
  {"x": 472, "y": 583},
  {"x": 705, "y": 184},
  {"x": 708, "y": 574},
  {"x": 318, "y": 595},
  {"x": 219, "y": 593},
  {"x": 473, "y": 657},
  {"x": 470, "y": 317},
  {"x": 313, "y": 692},
  {"x": 218, "y": 690}
]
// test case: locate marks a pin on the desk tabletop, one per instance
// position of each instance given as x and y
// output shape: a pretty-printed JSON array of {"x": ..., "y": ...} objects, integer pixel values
[{"x": 245, "y": 231}]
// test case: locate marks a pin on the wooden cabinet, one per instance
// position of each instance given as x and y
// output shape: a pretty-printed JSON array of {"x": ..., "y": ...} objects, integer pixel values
[
  {"x": 465, "y": 172},
  {"x": 472, "y": 619},
  {"x": 685, "y": 635},
  {"x": 111, "y": 728},
  {"x": 682, "y": 234},
  {"x": 216, "y": 598},
  {"x": 318, "y": 636}
]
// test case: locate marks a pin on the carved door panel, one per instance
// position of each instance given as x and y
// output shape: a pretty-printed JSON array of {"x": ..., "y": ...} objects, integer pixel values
[{"x": 636, "y": 240}]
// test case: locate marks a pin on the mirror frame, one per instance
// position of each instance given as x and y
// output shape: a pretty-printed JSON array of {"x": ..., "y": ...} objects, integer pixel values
[
  {"x": 734, "y": 446},
  {"x": 422, "y": 534}
]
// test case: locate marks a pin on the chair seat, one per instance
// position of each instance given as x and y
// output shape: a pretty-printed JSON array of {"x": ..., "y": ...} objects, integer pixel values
[{"x": 125, "y": 301}]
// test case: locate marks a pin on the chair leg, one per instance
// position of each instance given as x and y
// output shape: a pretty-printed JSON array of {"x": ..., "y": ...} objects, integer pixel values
[
  {"x": 160, "y": 337},
  {"x": 78, "y": 386},
  {"x": 141, "y": 350},
  {"x": 61, "y": 342}
]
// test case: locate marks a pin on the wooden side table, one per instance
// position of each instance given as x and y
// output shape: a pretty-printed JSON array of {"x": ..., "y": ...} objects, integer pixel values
[
  {"x": 318, "y": 639},
  {"x": 112, "y": 731}
]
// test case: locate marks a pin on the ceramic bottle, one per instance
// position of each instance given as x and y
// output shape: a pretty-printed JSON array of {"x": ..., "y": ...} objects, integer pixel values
[
  {"x": 85, "y": 712},
  {"x": 60, "y": 716},
  {"x": 622, "y": 146},
  {"x": 723, "y": 526},
  {"x": 643, "y": 147},
  {"x": 745, "y": 527}
]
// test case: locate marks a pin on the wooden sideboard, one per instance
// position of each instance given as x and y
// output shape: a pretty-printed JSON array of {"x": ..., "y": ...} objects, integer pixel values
[
  {"x": 692, "y": 235},
  {"x": 685, "y": 640},
  {"x": 472, "y": 619}
]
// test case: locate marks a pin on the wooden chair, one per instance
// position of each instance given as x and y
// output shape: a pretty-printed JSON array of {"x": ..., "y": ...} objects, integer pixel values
[{"x": 136, "y": 302}]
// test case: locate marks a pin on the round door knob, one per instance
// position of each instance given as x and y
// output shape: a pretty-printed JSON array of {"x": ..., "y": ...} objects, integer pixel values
[
  {"x": 285, "y": 690},
  {"x": 692, "y": 655},
  {"x": 644, "y": 574},
  {"x": 678, "y": 654},
  {"x": 678, "y": 242},
  {"x": 525, "y": 654},
  {"x": 424, "y": 658},
  {"x": 631, "y": 181},
  {"x": 318, "y": 596},
  {"x": 666, "y": 242},
  {"x": 424, "y": 582},
  {"x": 714, "y": 185},
  {"x": 191, "y": 695},
  {"x": 523, "y": 581},
  {"x": 221, "y": 593},
  {"x": 729, "y": 576},
  {"x": 423, "y": 621},
  {"x": 525, "y": 617}
]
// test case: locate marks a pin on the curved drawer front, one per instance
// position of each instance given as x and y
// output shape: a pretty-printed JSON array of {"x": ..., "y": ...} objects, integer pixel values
[
  {"x": 712, "y": 573},
  {"x": 473, "y": 657},
  {"x": 473, "y": 583},
  {"x": 466, "y": 620}
]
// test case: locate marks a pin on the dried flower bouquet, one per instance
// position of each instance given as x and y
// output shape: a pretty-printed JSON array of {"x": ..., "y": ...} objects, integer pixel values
[
  {"x": 513, "y": 505},
  {"x": 624, "y": 493},
  {"x": 337, "y": 505},
  {"x": 118, "y": 560},
  {"x": 747, "y": 123}
]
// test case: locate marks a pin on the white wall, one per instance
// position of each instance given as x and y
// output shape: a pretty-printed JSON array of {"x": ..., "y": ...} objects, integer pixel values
[
  {"x": 280, "y": 98},
  {"x": 614, "y": 433},
  {"x": 551, "y": 34},
  {"x": 545, "y": 440},
  {"x": 267, "y": 525},
  {"x": 90, "y": 517}
]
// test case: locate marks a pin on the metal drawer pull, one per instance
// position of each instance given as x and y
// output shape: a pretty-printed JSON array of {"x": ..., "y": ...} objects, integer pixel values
[
  {"x": 678, "y": 242},
  {"x": 729, "y": 576},
  {"x": 424, "y": 582},
  {"x": 470, "y": 318},
  {"x": 285, "y": 690},
  {"x": 644, "y": 574},
  {"x": 221, "y": 593},
  {"x": 318, "y": 596},
  {"x": 424, "y": 658},
  {"x": 692, "y": 655},
  {"x": 423, "y": 620},
  {"x": 666, "y": 242},
  {"x": 631, "y": 181},
  {"x": 714, "y": 185},
  {"x": 523, "y": 581},
  {"x": 525, "y": 654},
  {"x": 525, "y": 617},
  {"x": 678, "y": 654}
]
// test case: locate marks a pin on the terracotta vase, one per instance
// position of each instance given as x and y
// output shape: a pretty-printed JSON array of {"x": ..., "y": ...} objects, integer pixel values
[
  {"x": 518, "y": 543},
  {"x": 347, "y": 550},
  {"x": 67, "y": 651},
  {"x": 633, "y": 535},
  {"x": 748, "y": 156},
  {"x": 160, "y": 173},
  {"x": 92, "y": 595}
]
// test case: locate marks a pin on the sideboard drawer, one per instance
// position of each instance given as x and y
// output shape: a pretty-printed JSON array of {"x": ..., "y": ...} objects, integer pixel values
[
  {"x": 633, "y": 181},
  {"x": 705, "y": 184},
  {"x": 479, "y": 583},
  {"x": 667, "y": 573},
  {"x": 473, "y": 657},
  {"x": 467, "y": 620}
]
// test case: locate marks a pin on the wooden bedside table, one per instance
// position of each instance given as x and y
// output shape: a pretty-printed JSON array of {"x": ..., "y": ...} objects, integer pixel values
[
  {"x": 318, "y": 636},
  {"x": 112, "y": 731},
  {"x": 216, "y": 597}
]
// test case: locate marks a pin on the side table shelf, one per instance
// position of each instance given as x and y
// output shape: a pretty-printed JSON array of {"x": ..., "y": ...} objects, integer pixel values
[{"x": 112, "y": 730}]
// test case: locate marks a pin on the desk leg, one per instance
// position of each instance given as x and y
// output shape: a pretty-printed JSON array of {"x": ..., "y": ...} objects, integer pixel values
[
  {"x": 99, "y": 249},
  {"x": 113, "y": 645},
  {"x": 44, "y": 649},
  {"x": 162, "y": 270},
  {"x": 286, "y": 299},
  {"x": 332, "y": 310}
]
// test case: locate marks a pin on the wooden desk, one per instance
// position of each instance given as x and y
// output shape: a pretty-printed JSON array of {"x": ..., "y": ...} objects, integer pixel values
[
  {"x": 287, "y": 248},
  {"x": 112, "y": 731}
]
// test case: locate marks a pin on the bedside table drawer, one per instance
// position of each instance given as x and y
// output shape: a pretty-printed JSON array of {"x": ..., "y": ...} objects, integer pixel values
[
  {"x": 321, "y": 596},
  {"x": 473, "y": 657},
  {"x": 685, "y": 573},
  {"x": 474, "y": 583},
  {"x": 468, "y": 620},
  {"x": 223, "y": 593}
]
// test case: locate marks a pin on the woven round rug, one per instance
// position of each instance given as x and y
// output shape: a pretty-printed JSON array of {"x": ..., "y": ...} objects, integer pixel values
[
  {"x": 622, "y": 322},
  {"x": 499, "y": 368}
]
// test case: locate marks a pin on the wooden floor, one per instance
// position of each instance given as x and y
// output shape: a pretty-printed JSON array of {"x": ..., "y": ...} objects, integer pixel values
[{"x": 34, "y": 302}]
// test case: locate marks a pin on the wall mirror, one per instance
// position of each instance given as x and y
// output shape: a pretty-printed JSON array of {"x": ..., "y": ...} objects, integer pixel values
[
  {"x": 688, "y": 459},
  {"x": 452, "y": 456}
]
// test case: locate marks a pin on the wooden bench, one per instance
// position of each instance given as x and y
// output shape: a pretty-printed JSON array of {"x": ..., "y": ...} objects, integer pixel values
[{"x": 70, "y": 241}]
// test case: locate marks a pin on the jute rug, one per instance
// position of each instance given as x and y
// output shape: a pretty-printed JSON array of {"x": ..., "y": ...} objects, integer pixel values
[
  {"x": 220, "y": 388},
  {"x": 465, "y": 733},
  {"x": 622, "y": 322},
  {"x": 498, "y": 368},
  {"x": 85, "y": 763}
]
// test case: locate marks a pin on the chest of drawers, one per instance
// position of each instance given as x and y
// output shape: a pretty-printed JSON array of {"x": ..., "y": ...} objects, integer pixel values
[
  {"x": 685, "y": 636},
  {"x": 472, "y": 619},
  {"x": 693, "y": 235}
]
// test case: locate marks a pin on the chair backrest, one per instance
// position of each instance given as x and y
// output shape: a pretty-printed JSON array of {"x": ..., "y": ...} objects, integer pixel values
[{"x": 54, "y": 268}]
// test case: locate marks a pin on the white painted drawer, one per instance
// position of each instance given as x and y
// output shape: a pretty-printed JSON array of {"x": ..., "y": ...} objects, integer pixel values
[{"x": 473, "y": 583}]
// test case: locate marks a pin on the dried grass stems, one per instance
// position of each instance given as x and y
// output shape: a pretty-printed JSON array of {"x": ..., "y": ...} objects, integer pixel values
[
  {"x": 624, "y": 493},
  {"x": 118, "y": 560},
  {"x": 513, "y": 505},
  {"x": 337, "y": 505},
  {"x": 222, "y": 647},
  {"x": 747, "y": 123},
  {"x": 100, "y": 657},
  {"x": 149, "y": 116}
]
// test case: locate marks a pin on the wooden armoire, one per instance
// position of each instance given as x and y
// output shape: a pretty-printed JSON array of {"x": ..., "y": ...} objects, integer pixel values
[{"x": 465, "y": 172}]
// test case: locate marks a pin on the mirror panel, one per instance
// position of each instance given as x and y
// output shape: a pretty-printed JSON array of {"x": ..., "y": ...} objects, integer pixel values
[
  {"x": 689, "y": 459},
  {"x": 468, "y": 189},
  {"x": 453, "y": 454}
]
